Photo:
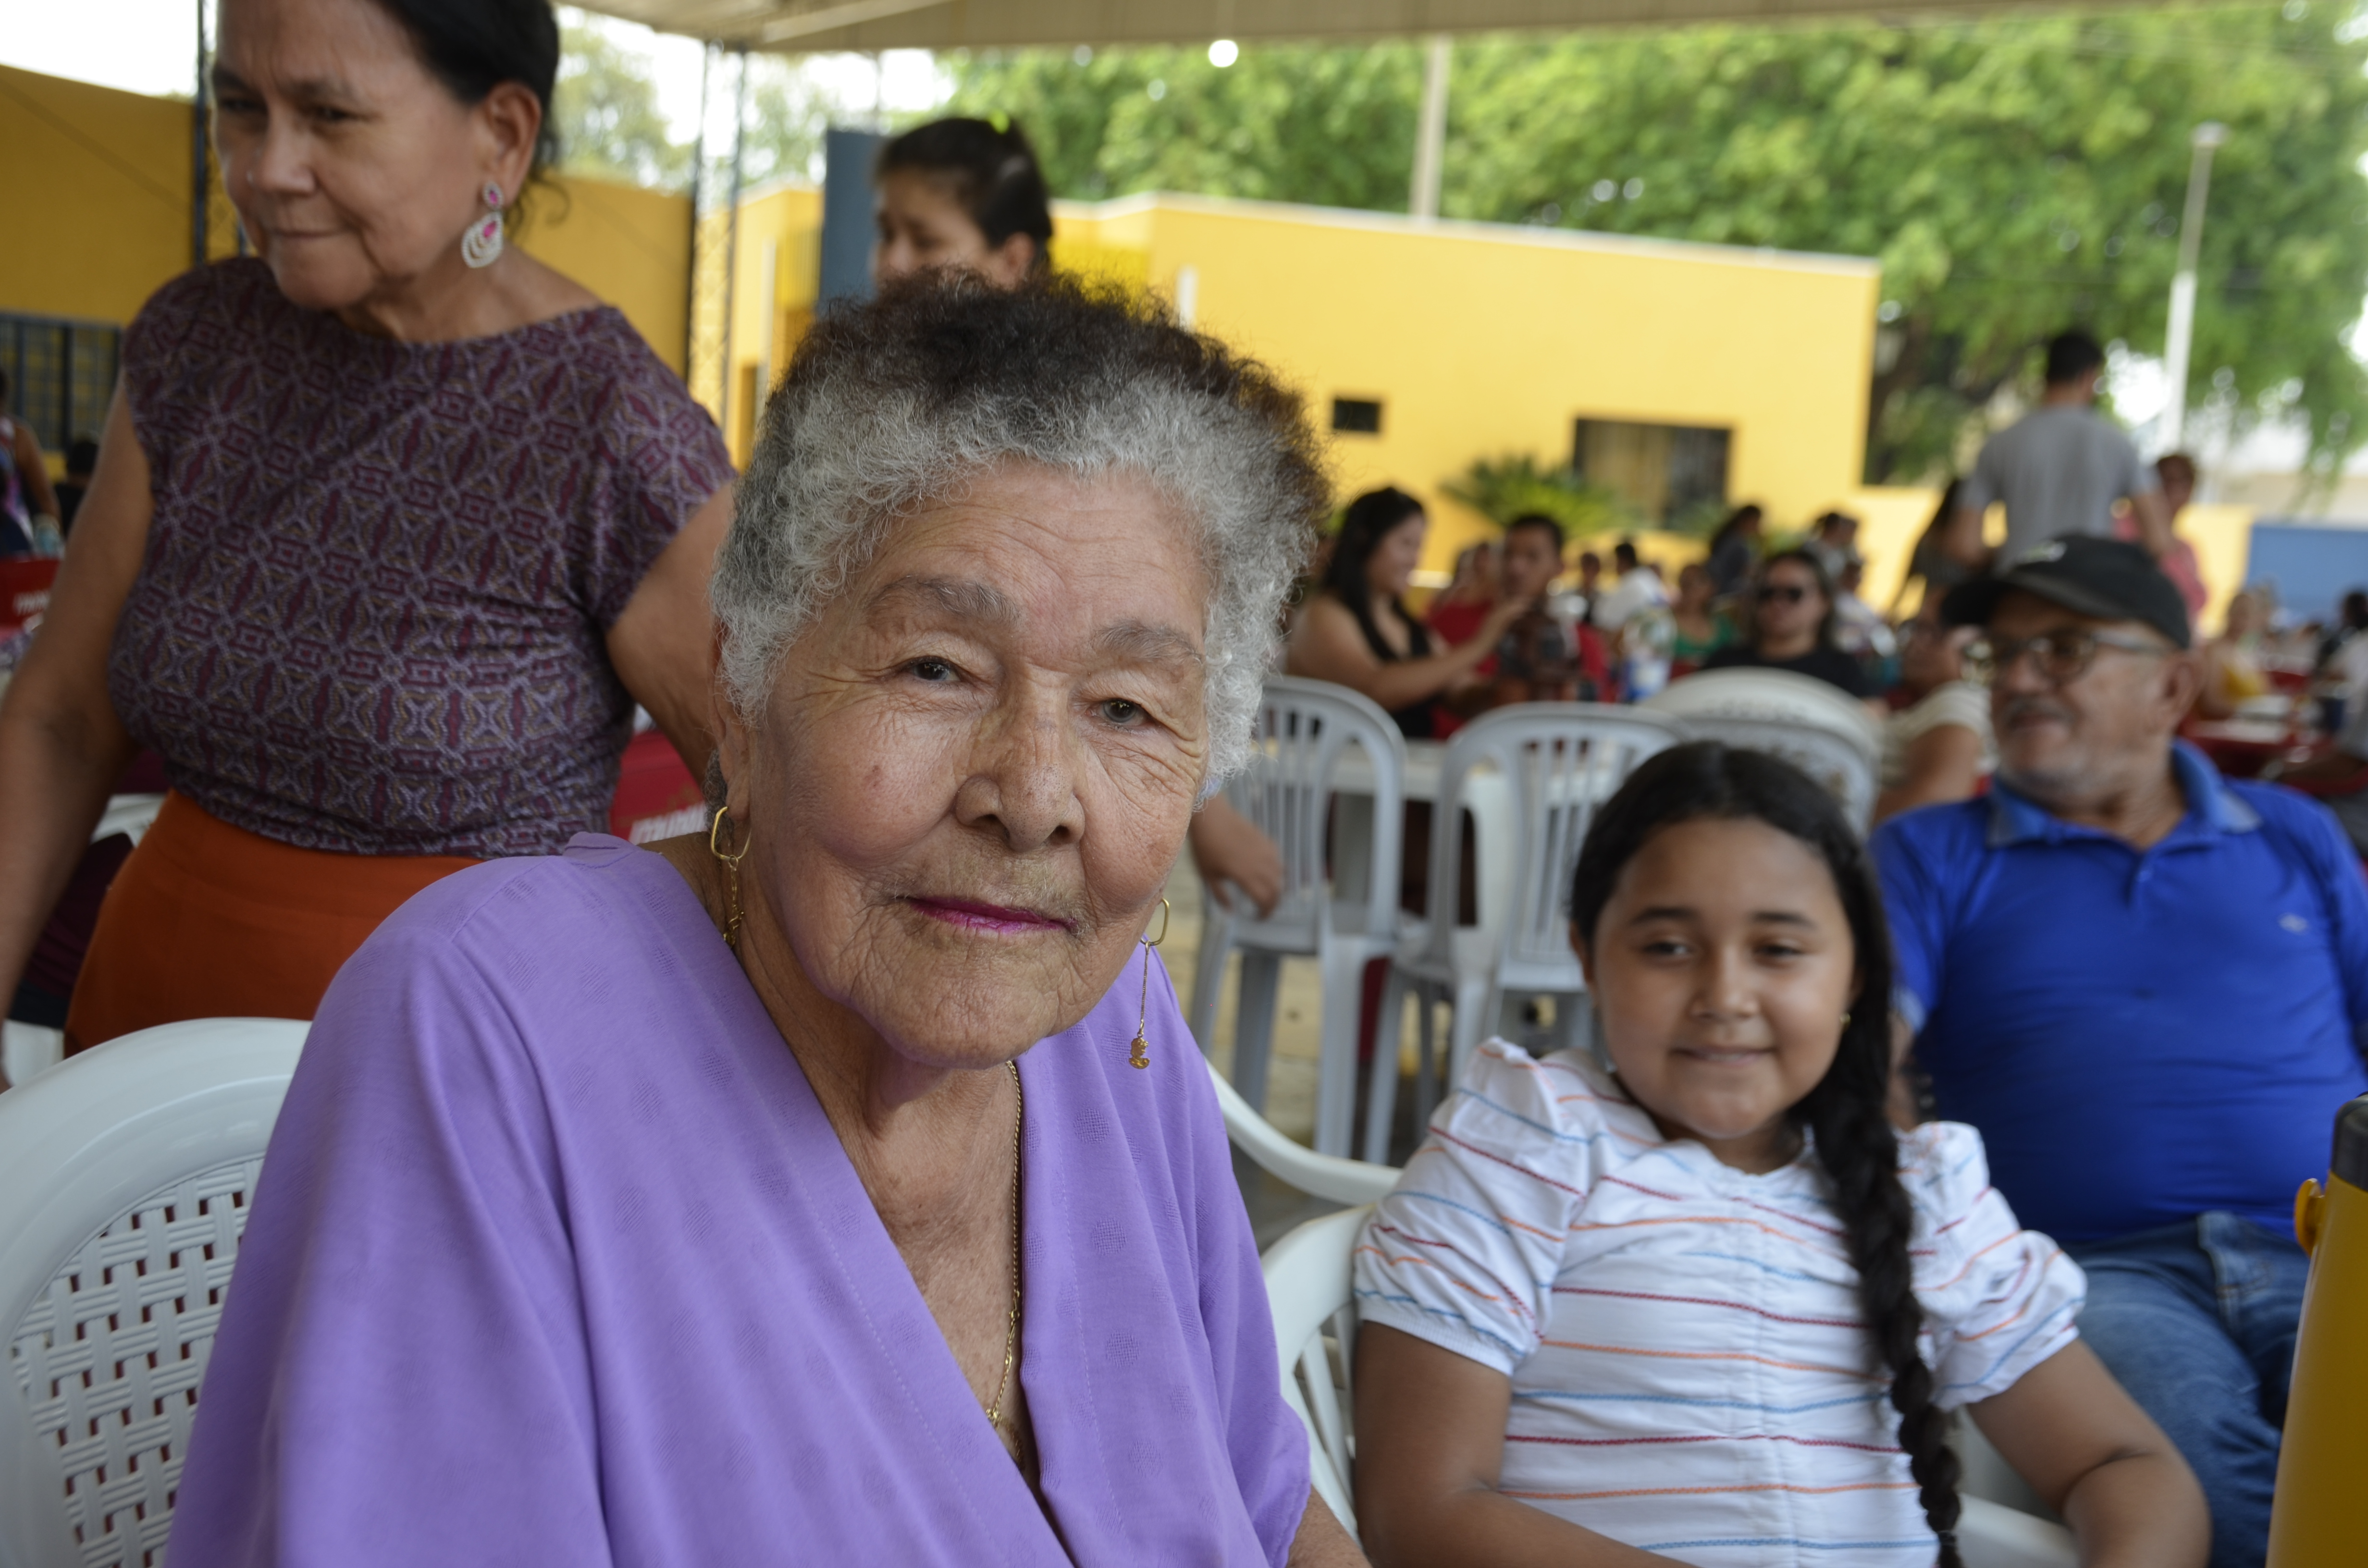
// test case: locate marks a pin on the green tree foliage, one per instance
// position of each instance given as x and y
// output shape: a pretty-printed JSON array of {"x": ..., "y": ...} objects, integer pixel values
[
  {"x": 2013, "y": 175},
  {"x": 605, "y": 108},
  {"x": 1330, "y": 126}
]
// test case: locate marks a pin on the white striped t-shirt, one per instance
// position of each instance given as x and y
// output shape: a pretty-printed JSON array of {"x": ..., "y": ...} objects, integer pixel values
[{"x": 1691, "y": 1370}]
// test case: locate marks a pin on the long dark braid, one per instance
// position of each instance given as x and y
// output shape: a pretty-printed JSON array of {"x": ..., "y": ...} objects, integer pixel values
[{"x": 1845, "y": 1115}]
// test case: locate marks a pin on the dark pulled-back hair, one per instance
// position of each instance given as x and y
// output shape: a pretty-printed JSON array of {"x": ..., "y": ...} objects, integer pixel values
[
  {"x": 1845, "y": 1115},
  {"x": 992, "y": 173},
  {"x": 1367, "y": 521},
  {"x": 474, "y": 46}
]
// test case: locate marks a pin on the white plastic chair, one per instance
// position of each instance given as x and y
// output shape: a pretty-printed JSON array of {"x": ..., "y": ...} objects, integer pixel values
[
  {"x": 130, "y": 815},
  {"x": 1547, "y": 766},
  {"x": 1310, "y": 1294},
  {"x": 1817, "y": 728},
  {"x": 1289, "y": 791},
  {"x": 124, "y": 1179},
  {"x": 1327, "y": 1177}
]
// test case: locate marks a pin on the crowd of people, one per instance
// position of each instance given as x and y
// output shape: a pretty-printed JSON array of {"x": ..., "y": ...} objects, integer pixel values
[{"x": 844, "y": 1175}]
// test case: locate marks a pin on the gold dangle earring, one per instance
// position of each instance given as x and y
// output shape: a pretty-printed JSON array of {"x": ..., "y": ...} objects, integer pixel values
[
  {"x": 730, "y": 864},
  {"x": 1136, "y": 1047}
]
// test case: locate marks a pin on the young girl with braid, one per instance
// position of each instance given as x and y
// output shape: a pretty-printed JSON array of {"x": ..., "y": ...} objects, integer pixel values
[{"x": 1689, "y": 1297}]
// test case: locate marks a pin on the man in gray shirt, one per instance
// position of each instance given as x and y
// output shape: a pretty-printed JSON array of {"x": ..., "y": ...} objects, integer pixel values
[{"x": 2059, "y": 469}]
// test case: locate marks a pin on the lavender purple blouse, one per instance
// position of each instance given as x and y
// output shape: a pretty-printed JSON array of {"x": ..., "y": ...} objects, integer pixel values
[
  {"x": 372, "y": 612},
  {"x": 555, "y": 1258}
]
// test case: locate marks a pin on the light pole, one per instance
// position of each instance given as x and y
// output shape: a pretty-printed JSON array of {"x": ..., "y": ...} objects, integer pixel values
[
  {"x": 2181, "y": 337},
  {"x": 1431, "y": 131}
]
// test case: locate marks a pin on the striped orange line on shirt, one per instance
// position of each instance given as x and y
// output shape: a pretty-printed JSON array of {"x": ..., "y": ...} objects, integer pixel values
[
  {"x": 1708, "y": 1301},
  {"x": 1713, "y": 1491},
  {"x": 1658, "y": 1439},
  {"x": 1508, "y": 1165},
  {"x": 1858, "y": 1372}
]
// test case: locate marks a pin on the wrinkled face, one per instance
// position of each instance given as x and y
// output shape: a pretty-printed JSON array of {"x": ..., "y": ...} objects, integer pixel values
[
  {"x": 1721, "y": 968},
  {"x": 353, "y": 169},
  {"x": 1790, "y": 606},
  {"x": 1532, "y": 561},
  {"x": 1390, "y": 568},
  {"x": 922, "y": 228},
  {"x": 977, "y": 765},
  {"x": 2063, "y": 738}
]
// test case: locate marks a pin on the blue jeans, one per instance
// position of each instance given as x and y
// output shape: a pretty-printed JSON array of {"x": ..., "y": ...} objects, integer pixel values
[{"x": 2198, "y": 1322}]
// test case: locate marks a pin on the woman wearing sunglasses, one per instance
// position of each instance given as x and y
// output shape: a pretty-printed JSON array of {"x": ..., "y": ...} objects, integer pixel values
[{"x": 1793, "y": 627}]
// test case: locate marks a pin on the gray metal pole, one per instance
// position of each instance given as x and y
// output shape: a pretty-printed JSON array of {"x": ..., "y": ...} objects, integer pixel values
[
  {"x": 1430, "y": 135},
  {"x": 2179, "y": 338},
  {"x": 698, "y": 183},
  {"x": 199, "y": 196},
  {"x": 732, "y": 242}
]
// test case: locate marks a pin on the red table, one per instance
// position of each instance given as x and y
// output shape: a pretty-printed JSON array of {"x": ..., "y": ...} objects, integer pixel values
[
  {"x": 657, "y": 796},
  {"x": 24, "y": 593}
]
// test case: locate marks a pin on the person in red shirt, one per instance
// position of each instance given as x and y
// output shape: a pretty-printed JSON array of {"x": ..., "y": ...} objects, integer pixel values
[{"x": 1461, "y": 609}]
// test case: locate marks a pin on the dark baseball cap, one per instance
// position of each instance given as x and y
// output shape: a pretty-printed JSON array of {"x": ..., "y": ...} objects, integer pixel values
[{"x": 2099, "y": 577}]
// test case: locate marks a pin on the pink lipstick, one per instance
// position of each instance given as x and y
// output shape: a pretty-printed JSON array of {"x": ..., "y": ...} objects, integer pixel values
[{"x": 997, "y": 919}]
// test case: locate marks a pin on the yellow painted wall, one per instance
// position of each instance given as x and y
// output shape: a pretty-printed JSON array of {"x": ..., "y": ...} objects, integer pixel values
[
  {"x": 629, "y": 246},
  {"x": 1482, "y": 340},
  {"x": 98, "y": 185},
  {"x": 783, "y": 223}
]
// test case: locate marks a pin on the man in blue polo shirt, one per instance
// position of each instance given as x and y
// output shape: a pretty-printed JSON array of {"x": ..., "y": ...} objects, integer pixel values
[{"x": 2145, "y": 984}]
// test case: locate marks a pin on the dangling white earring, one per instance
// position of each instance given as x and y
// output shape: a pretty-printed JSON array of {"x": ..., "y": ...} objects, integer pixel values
[{"x": 482, "y": 246}]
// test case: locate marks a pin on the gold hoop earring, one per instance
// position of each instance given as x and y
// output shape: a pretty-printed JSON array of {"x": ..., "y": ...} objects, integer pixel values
[
  {"x": 730, "y": 864},
  {"x": 1137, "y": 1047}
]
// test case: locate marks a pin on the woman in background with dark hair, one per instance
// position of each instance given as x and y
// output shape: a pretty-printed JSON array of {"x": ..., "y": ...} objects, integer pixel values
[
  {"x": 1690, "y": 1297},
  {"x": 1929, "y": 562},
  {"x": 392, "y": 526},
  {"x": 1792, "y": 627},
  {"x": 1735, "y": 549},
  {"x": 1357, "y": 631},
  {"x": 961, "y": 194}
]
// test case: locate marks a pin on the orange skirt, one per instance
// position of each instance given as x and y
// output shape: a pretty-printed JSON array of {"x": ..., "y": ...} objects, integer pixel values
[{"x": 210, "y": 921}]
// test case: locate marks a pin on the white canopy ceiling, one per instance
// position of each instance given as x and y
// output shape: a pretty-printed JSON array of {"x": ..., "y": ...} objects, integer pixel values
[{"x": 798, "y": 26}]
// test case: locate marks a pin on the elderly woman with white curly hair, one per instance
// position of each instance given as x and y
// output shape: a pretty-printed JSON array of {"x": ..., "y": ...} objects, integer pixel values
[{"x": 841, "y": 1186}]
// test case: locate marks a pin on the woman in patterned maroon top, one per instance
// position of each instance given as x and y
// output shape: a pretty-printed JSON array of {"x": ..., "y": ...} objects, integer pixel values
[{"x": 391, "y": 529}]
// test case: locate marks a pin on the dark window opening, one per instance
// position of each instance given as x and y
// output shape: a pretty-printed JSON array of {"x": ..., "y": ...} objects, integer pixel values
[
  {"x": 62, "y": 374},
  {"x": 1672, "y": 475},
  {"x": 1357, "y": 415}
]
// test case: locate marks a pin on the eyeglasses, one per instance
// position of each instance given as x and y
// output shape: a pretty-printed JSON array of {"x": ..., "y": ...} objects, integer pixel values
[
  {"x": 2063, "y": 655},
  {"x": 1781, "y": 592}
]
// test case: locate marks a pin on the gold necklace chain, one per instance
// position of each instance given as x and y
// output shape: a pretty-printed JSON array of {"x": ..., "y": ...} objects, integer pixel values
[{"x": 995, "y": 1415}]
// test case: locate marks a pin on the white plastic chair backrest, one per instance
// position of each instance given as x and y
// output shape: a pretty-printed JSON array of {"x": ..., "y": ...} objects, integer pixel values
[
  {"x": 1562, "y": 761},
  {"x": 124, "y": 1179},
  {"x": 1303, "y": 728},
  {"x": 1327, "y": 1177},
  {"x": 1781, "y": 712},
  {"x": 1824, "y": 756},
  {"x": 130, "y": 815},
  {"x": 1309, "y": 1294}
]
